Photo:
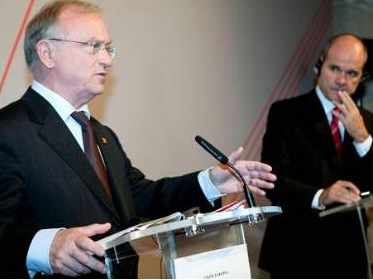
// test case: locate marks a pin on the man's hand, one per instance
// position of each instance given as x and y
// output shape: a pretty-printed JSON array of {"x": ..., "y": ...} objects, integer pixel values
[
  {"x": 341, "y": 192},
  {"x": 350, "y": 116},
  {"x": 257, "y": 175},
  {"x": 73, "y": 252}
]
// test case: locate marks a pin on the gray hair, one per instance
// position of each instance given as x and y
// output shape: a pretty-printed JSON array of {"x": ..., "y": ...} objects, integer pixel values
[{"x": 43, "y": 22}]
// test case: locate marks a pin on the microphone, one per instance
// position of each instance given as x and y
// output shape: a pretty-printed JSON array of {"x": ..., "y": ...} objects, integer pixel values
[
  {"x": 212, "y": 150},
  {"x": 224, "y": 160}
]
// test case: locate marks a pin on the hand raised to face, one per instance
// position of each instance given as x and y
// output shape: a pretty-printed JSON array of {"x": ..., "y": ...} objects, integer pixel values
[{"x": 351, "y": 118}]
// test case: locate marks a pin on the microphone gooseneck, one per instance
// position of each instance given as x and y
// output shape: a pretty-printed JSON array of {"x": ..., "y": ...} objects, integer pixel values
[{"x": 224, "y": 160}]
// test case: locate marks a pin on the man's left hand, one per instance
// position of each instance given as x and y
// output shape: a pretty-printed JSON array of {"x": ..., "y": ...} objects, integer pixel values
[
  {"x": 257, "y": 175},
  {"x": 351, "y": 118}
]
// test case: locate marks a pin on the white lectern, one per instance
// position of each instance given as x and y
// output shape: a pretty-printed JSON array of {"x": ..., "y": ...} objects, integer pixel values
[{"x": 208, "y": 245}]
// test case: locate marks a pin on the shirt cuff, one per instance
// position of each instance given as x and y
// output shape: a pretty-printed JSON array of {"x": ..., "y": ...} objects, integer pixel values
[
  {"x": 208, "y": 188},
  {"x": 37, "y": 259},
  {"x": 316, "y": 201},
  {"x": 363, "y": 148}
]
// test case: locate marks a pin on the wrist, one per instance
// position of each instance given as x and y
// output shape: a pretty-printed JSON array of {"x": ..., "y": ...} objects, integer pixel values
[
  {"x": 322, "y": 199},
  {"x": 362, "y": 137}
]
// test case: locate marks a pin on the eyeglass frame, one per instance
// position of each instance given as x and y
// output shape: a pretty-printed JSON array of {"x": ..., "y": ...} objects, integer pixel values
[{"x": 96, "y": 46}]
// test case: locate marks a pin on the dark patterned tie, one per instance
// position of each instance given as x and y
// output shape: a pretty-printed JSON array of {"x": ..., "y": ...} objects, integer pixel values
[
  {"x": 91, "y": 149},
  {"x": 336, "y": 133}
]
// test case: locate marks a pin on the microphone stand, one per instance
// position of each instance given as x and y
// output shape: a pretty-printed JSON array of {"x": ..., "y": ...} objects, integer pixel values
[
  {"x": 248, "y": 195},
  {"x": 223, "y": 159}
]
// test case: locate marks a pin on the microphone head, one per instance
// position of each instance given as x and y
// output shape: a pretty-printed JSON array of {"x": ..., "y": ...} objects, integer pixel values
[{"x": 212, "y": 150}]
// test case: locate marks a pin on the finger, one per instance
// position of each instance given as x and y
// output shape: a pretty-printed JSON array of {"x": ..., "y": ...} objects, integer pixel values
[
  {"x": 261, "y": 184},
  {"x": 76, "y": 267},
  {"x": 88, "y": 245},
  {"x": 353, "y": 190},
  {"x": 342, "y": 105},
  {"x": 340, "y": 112},
  {"x": 351, "y": 187},
  {"x": 246, "y": 165},
  {"x": 256, "y": 190},
  {"x": 348, "y": 199},
  {"x": 267, "y": 176},
  {"x": 353, "y": 197},
  {"x": 88, "y": 261},
  {"x": 235, "y": 155},
  {"x": 95, "y": 229},
  {"x": 343, "y": 195},
  {"x": 347, "y": 100},
  {"x": 252, "y": 174},
  {"x": 69, "y": 266}
]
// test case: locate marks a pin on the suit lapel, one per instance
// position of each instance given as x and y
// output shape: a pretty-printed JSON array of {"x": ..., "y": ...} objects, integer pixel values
[
  {"x": 111, "y": 153},
  {"x": 319, "y": 129},
  {"x": 55, "y": 133}
]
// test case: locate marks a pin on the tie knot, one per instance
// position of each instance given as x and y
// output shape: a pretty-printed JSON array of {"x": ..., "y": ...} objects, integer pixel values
[
  {"x": 336, "y": 110},
  {"x": 81, "y": 118}
]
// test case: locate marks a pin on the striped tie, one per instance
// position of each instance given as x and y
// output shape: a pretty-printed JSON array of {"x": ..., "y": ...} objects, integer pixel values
[
  {"x": 336, "y": 133},
  {"x": 91, "y": 149}
]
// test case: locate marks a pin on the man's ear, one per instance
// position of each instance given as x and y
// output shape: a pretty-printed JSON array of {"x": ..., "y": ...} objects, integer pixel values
[{"x": 45, "y": 52}]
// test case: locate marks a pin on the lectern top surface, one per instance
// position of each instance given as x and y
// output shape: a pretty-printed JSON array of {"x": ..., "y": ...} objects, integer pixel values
[
  {"x": 363, "y": 203},
  {"x": 249, "y": 215}
]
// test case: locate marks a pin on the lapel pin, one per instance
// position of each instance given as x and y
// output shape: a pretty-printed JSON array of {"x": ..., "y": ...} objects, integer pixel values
[{"x": 104, "y": 140}]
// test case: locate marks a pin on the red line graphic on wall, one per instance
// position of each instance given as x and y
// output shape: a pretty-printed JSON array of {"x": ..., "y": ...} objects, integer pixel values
[{"x": 16, "y": 43}]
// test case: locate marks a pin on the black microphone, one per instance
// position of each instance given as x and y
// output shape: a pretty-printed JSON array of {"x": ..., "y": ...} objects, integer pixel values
[
  {"x": 212, "y": 150},
  {"x": 224, "y": 160}
]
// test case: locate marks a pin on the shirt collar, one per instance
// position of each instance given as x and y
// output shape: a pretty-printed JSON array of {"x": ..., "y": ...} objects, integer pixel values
[
  {"x": 63, "y": 108},
  {"x": 327, "y": 105}
]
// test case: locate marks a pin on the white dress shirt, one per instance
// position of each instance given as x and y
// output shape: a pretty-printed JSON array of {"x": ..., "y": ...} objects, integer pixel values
[
  {"x": 37, "y": 259},
  {"x": 361, "y": 148}
]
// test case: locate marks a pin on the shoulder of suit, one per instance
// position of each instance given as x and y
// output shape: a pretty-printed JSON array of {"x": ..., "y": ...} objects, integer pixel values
[
  {"x": 294, "y": 104},
  {"x": 13, "y": 110}
]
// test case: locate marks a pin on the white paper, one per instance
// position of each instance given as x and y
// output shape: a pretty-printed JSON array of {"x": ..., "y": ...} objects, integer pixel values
[{"x": 229, "y": 262}]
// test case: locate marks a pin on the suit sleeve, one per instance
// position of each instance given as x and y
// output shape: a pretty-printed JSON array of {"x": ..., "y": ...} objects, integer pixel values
[
  {"x": 153, "y": 199},
  {"x": 290, "y": 192},
  {"x": 14, "y": 238},
  {"x": 362, "y": 167}
]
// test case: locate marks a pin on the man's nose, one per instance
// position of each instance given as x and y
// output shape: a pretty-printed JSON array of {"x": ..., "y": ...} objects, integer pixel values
[
  {"x": 105, "y": 58},
  {"x": 341, "y": 78}
]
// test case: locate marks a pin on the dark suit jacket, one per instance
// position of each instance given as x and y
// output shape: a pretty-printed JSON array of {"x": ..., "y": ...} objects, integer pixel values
[
  {"x": 299, "y": 146},
  {"x": 46, "y": 181}
]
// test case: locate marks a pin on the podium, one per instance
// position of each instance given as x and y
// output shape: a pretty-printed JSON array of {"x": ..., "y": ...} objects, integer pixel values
[
  {"x": 358, "y": 207},
  {"x": 207, "y": 245}
]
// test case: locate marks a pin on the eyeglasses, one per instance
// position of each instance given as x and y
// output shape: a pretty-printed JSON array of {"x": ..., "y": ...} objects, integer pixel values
[{"x": 94, "y": 46}]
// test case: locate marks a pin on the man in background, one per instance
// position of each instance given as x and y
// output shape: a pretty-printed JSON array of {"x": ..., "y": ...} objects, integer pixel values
[
  {"x": 320, "y": 147},
  {"x": 65, "y": 180}
]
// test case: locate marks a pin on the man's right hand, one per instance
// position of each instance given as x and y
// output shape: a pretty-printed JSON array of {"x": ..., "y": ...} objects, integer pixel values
[
  {"x": 340, "y": 192},
  {"x": 73, "y": 252}
]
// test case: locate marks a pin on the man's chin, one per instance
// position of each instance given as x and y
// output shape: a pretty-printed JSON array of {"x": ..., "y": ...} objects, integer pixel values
[{"x": 98, "y": 90}]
